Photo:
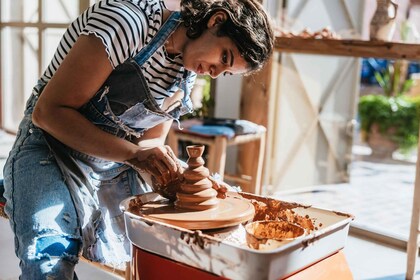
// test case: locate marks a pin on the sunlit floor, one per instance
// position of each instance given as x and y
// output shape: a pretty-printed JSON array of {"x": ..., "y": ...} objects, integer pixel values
[
  {"x": 380, "y": 196},
  {"x": 367, "y": 259}
]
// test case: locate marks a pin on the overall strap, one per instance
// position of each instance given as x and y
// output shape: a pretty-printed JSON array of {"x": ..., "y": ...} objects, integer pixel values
[
  {"x": 157, "y": 41},
  {"x": 160, "y": 38}
]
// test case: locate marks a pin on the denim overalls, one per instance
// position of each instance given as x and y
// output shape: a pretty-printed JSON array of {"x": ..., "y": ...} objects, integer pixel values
[{"x": 57, "y": 197}]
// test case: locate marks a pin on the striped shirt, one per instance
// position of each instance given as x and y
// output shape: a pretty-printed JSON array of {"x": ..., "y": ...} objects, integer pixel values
[{"x": 125, "y": 27}]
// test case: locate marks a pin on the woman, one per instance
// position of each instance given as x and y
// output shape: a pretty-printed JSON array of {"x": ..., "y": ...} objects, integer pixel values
[{"x": 100, "y": 114}]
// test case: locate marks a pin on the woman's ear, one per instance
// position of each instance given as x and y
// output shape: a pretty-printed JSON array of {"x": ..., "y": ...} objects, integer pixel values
[{"x": 217, "y": 18}]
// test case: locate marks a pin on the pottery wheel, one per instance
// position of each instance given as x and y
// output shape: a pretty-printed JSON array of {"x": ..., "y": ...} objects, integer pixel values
[{"x": 230, "y": 211}]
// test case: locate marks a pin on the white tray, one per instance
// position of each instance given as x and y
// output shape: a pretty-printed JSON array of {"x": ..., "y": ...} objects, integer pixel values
[{"x": 224, "y": 252}]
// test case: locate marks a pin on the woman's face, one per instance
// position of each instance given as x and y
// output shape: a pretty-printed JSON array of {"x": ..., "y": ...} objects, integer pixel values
[{"x": 212, "y": 55}]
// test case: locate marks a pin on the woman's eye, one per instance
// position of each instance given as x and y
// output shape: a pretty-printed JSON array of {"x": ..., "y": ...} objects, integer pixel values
[
  {"x": 227, "y": 73},
  {"x": 225, "y": 57}
]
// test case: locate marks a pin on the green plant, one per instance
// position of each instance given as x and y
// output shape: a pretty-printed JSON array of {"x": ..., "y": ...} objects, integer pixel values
[
  {"x": 392, "y": 110},
  {"x": 400, "y": 113},
  {"x": 392, "y": 80},
  {"x": 207, "y": 101}
]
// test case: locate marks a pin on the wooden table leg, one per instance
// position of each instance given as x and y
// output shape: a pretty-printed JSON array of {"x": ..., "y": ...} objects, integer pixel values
[
  {"x": 255, "y": 184},
  {"x": 413, "y": 240},
  {"x": 217, "y": 156}
]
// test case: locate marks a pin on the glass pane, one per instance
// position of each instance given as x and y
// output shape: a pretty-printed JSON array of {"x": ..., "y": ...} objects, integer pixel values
[
  {"x": 19, "y": 71},
  {"x": 60, "y": 11},
  {"x": 19, "y": 10},
  {"x": 52, "y": 37}
]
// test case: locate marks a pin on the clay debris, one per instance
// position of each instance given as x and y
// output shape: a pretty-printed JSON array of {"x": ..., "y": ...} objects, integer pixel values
[{"x": 271, "y": 209}]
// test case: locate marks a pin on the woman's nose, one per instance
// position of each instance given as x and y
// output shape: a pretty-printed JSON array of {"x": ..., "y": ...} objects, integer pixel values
[
  {"x": 213, "y": 76},
  {"x": 215, "y": 72}
]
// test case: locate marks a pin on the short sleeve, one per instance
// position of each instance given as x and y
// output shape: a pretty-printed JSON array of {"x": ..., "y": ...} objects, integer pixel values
[{"x": 122, "y": 27}]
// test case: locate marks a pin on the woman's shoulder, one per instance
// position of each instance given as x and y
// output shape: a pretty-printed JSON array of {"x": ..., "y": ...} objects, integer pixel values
[
  {"x": 148, "y": 8},
  {"x": 146, "y": 14},
  {"x": 155, "y": 10},
  {"x": 151, "y": 6},
  {"x": 125, "y": 26}
]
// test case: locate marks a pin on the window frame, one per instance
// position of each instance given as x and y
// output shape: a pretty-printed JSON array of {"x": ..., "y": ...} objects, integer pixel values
[{"x": 41, "y": 27}]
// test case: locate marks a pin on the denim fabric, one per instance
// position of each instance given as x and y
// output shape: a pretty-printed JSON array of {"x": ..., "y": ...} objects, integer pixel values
[
  {"x": 2, "y": 199},
  {"x": 61, "y": 202},
  {"x": 135, "y": 111},
  {"x": 39, "y": 205}
]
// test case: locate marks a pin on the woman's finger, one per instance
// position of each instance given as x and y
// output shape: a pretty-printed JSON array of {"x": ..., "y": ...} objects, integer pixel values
[
  {"x": 178, "y": 170},
  {"x": 169, "y": 167},
  {"x": 162, "y": 168},
  {"x": 150, "y": 167},
  {"x": 170, "y": 163}
]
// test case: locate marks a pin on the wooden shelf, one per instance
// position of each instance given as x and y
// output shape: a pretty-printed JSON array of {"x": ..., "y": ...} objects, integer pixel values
[{"x": 354, "y": 48}]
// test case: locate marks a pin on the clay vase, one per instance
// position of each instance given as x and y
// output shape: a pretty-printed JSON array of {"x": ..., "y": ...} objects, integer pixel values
[
  {"x": 382, "y": 145},
  {"x": 196, "y": 191},
  {"x": 382, "y": 25}
]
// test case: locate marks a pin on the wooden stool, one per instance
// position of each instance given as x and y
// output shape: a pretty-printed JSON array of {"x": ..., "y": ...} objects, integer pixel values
[
  {"x": 216, "y": 148},
  {"x": 122, "y": 274}
]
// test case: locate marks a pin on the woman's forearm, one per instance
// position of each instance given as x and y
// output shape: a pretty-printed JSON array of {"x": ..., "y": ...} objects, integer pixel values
[{"x": 73, "y": 129}]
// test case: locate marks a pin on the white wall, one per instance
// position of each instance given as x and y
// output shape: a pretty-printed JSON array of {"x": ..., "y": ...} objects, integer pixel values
[{"x": 228, "y": 99}]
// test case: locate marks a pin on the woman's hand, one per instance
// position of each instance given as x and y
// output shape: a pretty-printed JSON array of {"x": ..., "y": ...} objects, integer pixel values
[
  {"x": 163, "y": 166},
  {"x": 220, "y": 186}
]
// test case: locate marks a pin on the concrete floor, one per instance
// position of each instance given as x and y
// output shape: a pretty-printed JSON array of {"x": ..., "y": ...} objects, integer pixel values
[
  {"x": 367, "y": 258},
  {"x": 379, "y": 195}
]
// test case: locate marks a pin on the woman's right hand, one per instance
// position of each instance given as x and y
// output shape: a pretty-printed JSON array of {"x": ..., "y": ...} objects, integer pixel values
[{"x": 163, "y": 166}]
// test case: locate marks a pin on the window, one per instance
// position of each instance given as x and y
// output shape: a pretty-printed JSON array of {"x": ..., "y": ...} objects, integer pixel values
[{"x": 30, "y": 31}]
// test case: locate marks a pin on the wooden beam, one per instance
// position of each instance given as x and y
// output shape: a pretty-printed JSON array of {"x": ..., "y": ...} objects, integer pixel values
[
  {"x": 40, "y": 25},
  {"x": 353, "y": 48},
  {"x": 83, "y": 5},
  {"x": 254, "y": 103}
]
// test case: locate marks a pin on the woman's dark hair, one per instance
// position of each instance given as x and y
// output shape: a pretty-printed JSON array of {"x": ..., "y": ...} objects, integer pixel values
[{"x": 247, "y": 25}]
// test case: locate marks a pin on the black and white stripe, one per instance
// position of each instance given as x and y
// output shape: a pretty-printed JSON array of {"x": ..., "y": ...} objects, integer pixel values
[{"x": 124, "y": 26}]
